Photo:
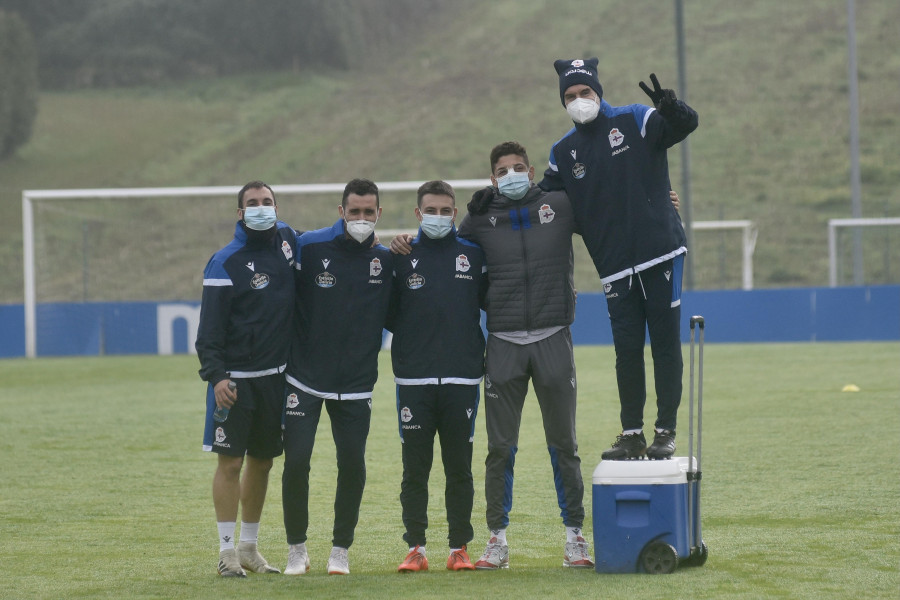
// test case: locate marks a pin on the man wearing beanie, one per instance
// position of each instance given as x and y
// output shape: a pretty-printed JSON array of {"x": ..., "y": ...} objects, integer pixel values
[{"x": 614, "y": 168}]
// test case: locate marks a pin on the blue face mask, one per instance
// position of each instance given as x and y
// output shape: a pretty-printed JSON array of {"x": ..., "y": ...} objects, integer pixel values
[
  {"x": 436, "y": 226},
  {"x": 259, "y": 218},
  {"x": 514, "y": 185}
]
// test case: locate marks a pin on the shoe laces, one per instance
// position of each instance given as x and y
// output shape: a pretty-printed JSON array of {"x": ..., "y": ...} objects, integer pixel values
[
  {"x": 459, "y": 555},
  {"x": 339, "y": 555},
  {"x": 625, "y": 438}
]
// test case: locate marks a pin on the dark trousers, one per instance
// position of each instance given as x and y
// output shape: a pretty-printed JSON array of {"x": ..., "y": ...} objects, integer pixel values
[
  {"x": 448, "y": 410},
  {"x": 349, "y": 429},
  {"x": 550, "y": 366},
  {"x": 637, "y": 305}
]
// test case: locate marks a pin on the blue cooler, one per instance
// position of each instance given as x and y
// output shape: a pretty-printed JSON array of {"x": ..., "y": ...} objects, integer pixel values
[{"x": 645, "y": 514}]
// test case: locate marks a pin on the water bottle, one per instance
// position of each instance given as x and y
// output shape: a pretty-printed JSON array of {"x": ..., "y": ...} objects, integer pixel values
[{"x": 221, "y": 413}]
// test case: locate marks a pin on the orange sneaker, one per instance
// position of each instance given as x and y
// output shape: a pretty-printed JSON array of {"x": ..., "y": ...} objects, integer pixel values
[
  {"x": 414, "y": 561},
  {"x": 459, "y": 561}
]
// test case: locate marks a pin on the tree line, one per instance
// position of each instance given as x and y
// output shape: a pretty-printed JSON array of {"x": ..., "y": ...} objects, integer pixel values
[{"x": 66, "y": 44}]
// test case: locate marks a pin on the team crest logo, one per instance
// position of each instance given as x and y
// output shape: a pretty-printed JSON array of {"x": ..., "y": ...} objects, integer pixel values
[
  {"x": 292, "y": 401},
  {"x": 220, "y": 435},
  {"x": 546, "y": 214},
  {"x": 325, "y": 280},
  {"x": 259, "y": 281},
  {"x": 607, "y": 287},
  {"x": 578, "y": 171},
  {"x": 415, "y": 281},
  {"x": 405, "y": 414},
  {"x": 615, "y": 137},
  {"x": 462, "y": 263},
  {"x": 577, "y": 63},
  {"x": 286, "y": 249},
  {"x": 375, "y": 267}
]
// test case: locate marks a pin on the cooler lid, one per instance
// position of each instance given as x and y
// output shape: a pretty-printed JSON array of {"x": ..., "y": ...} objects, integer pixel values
[{"x": 642, "y": 472}]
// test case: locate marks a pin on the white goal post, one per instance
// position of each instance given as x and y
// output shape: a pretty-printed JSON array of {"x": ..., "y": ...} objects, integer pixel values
[
  {"x": 834, "y": 224},
  {"x": 748, "y": 244},
  {"x": 29, "y": 197}
]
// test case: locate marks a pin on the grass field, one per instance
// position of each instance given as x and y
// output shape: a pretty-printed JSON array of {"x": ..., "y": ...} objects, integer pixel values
[{"x": 105, "y": 492}]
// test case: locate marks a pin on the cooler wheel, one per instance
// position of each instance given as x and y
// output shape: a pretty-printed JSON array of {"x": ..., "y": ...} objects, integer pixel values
[
  {"x": 659, "y": 558},
  {"x": 698, "y": 558}
]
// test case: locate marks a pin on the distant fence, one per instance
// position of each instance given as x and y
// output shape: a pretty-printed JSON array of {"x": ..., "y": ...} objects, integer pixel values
[{"x": 787, "y": 315}]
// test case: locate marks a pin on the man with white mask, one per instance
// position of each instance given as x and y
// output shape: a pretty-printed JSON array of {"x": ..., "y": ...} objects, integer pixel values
[
  {"x": 614, "y": 168},
  {"x": 242, "y": 343},
  {"x": 438, "y": 358},
  {"x": 343, "y": 290}
]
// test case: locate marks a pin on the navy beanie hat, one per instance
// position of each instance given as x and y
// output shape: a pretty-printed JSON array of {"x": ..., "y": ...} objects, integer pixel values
[{"x": 576, "y": 71}]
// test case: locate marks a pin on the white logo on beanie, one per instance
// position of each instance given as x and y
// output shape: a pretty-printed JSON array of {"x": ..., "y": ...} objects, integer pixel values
[{"x": 577, "y": 63}]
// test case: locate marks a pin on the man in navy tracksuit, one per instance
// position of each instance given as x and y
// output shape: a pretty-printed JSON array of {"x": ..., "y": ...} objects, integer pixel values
[
  {"x": 243, "y": 340},
  {"x": 343, "y": 291},
  {"x": 613, "y": 167},
  {"x": 438, "y": 358}
]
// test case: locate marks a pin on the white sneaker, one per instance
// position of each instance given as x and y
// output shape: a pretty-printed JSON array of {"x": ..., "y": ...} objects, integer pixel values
[
  {"x": 338, "y": 563},
  {"x": 298, "y": 560},
  {"x": 576, "y": 555},
  {"x": 251, "y": 559},
  {"x": 496, "y": 556}
]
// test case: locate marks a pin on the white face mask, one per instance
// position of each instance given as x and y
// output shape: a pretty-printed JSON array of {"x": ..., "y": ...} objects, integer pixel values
[
  {"x": 360, "y": 230},
  {"x": 583, "y": 110},
  {"x": 437, "y": 226}
]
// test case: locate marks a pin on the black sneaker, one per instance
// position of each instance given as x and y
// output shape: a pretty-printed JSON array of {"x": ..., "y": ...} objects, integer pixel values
[
  {"x": 632, "y": 445},
  {"x": 663, "y": 445}
]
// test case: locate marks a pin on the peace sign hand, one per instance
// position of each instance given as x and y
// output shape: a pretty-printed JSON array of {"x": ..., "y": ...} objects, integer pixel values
[{"x": 663, "y": 99}]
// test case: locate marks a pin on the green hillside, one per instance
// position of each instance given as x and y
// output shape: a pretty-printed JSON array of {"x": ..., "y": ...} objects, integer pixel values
[{"x": 769, "y": 80}]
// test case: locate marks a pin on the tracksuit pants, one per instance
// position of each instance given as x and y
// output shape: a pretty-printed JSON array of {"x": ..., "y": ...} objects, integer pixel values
[
  {"x": 550, "y": 365},
  {"x": 349, "y": 428},
  {"x": 448, "y": 410},
  {"x": 649, "y": 301}
]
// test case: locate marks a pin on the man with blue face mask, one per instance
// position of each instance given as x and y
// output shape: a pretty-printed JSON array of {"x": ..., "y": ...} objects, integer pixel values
[
  {"x": 242, "y": 344},
  {"x": 438, "y": 358},
  {"x": 526, "y": 234}
]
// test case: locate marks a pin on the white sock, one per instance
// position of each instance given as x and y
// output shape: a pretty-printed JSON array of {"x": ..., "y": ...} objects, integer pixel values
[
  {"x": 631, "y": 431},
  {"x": 500, "y": 534},
  {"x": 421, "y": 550},
  {"x": 226, "y": 534},
  {"x": 572, "y": 534},
  {"x": 249, "y": 532},
  {"x": 452, "y": 550}
]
